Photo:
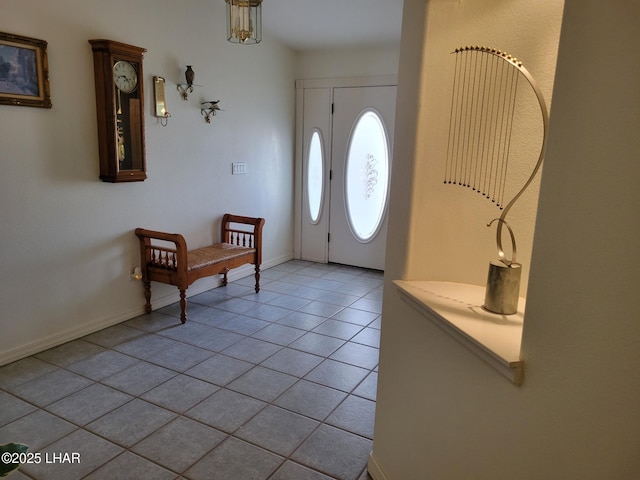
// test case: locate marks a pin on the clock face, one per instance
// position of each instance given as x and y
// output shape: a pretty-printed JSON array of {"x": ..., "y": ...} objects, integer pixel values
[{"x": 125, "y": 76}]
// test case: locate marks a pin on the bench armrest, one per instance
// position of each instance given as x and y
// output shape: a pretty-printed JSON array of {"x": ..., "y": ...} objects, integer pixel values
[
  {"x": 156, "y": 254},
  {"x": 238, "y": 236}
]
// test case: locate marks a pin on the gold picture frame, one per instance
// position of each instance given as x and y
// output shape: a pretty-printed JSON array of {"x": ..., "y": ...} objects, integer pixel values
[{"x": 24, "y": 71}]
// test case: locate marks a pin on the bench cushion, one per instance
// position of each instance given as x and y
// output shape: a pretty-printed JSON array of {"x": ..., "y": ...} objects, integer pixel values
[{"x": 218, "y": 252}]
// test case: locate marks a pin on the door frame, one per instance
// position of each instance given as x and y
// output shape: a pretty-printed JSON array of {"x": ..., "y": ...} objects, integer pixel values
[{"x": 332, "y": 83}]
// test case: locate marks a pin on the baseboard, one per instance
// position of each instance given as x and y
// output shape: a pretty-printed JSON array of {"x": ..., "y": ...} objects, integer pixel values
[
  {"x": 246, "y": 270},
  {"x": 66, "y": 336},
  {"x": 208, "y": 283},
  {"x": 276, "y": 261},
  {"x": 79, "y": 331},
  {"x": 375, "y": 470}
]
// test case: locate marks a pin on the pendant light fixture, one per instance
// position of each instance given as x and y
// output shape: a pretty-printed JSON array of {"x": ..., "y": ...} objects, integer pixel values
[{"x": 244, "y": 21}]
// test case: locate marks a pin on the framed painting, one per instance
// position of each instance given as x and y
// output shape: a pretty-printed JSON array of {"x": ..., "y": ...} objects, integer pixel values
[{"x": 24, "y": 71}]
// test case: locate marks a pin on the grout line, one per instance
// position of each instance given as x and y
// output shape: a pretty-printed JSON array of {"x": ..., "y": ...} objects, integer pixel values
[{"x": 213, "y": 353}]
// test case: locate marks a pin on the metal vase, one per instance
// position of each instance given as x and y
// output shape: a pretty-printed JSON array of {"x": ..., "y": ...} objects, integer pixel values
[{"x": 503, "y": 288}]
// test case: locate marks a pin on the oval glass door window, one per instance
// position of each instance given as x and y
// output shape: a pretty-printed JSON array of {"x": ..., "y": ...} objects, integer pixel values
[
  {"x": 367, "y": 175},
  {"x": 315, "y": 176}
]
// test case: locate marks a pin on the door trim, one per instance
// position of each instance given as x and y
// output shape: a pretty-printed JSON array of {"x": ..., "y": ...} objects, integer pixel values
[{"x": 373, "y": 81}]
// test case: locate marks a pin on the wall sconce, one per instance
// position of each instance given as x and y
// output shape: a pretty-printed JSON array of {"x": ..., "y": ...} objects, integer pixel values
[
  {"x": 209, "y": 109},
  {"x": 186, "y": 88},
  {"x": 161, "y": 102},
  {"x": 244, "y": 21}
]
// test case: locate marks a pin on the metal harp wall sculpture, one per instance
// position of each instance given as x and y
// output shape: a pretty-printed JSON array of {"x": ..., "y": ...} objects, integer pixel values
[{"x": 485, "y": 87}]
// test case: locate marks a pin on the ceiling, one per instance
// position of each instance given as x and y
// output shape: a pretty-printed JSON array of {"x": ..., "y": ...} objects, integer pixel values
[{"x": 321, "y": 24}]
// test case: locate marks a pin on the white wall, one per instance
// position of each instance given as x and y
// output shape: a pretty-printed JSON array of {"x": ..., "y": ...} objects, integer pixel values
[
  {"x": 441, "y": 411},
  {"x": 67, "y": 242},
  {"x": 347, "y": 62}
]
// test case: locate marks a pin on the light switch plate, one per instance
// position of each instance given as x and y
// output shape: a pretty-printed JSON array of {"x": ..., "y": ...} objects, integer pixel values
[{"x": 238, "y": 168}]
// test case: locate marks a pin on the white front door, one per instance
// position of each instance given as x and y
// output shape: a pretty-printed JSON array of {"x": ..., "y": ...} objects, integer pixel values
[
  {"x": 315, "y": 173},
  {"x": 345, "y": 173},
  {"x": 362, "y": 135}
]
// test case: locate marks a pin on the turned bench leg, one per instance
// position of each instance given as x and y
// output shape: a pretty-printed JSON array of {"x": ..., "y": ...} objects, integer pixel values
[
  {"x": 257, "y": 278},
  {"x": 147, "y": 296},
  {"x": 183, "y": 306},
  {"x": 224, "y": 276}
]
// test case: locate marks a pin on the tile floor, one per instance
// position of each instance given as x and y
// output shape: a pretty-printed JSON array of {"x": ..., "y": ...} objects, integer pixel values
[{"x": 278, "y": 385}]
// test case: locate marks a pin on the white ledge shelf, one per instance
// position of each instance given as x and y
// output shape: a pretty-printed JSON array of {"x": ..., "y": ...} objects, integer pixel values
[{"x": 457, "y": 309}]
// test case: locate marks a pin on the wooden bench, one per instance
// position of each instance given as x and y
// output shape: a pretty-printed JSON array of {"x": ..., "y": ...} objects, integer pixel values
[{"x": 166, "y": 259}]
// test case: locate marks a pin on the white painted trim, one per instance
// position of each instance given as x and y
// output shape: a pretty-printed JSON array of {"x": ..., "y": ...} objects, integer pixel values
[
  {"x": 375, "y": 470},
  {"x": 297, "y": 171},
  {"x": 79, "y": 331},
  {"x": 66, "y": 336},
  {"x": 374, "y": 81}
]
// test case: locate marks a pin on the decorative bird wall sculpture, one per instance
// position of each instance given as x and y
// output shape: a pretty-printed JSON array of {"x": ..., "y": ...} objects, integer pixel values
[{"x": 209, "y": 109}]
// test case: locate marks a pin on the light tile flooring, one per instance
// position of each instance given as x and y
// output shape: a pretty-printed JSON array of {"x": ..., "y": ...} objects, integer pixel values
[{"x": 278, "y": 385}]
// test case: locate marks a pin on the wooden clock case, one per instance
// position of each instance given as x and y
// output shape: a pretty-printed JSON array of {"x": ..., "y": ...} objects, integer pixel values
[{"x": 120, "y": 114}]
